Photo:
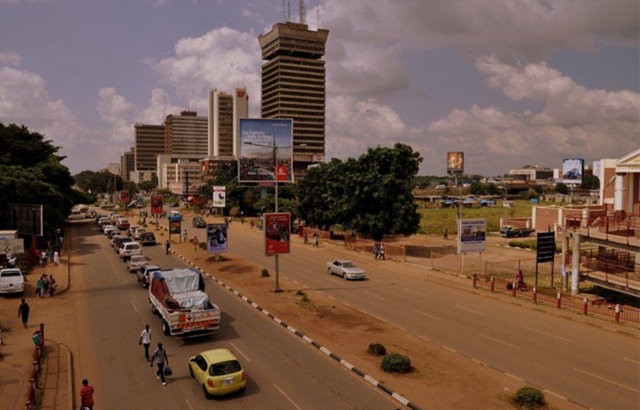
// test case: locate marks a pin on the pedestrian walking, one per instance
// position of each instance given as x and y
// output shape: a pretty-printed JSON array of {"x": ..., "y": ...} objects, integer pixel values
[
  {"x": 86, "y": 395},
  {"x": 185, "y": 236},
  {"x": 51, "y": 285},
  {"x": 56, "y": 258},
  {"x": 316, "y": 240},
  {"x": 145, "y": 341},
  {"x": 23, "y": 312},
  {"x": 43, "y": 258},
  {"x": 167, "y": 247},
  {"x": 161, "y": 358},
  {"x": 41, "y": 284},
  {"x": 381, "y": 252},
  {"x": 446, "y": 233},
  {"x": 375, "y": 250}
]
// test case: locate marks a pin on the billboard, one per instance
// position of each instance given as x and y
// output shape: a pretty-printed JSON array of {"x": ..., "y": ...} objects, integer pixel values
[
  {"x": 217, "y": 238},
  {"x": 260, "y": 141},
  {"x": 219, "y": 196},
  {"x": 277, "y": 229},
  {"x": 455, "y": 163},
  {"x": 572, "y": 170},
  {"x": 472, "y": 235},
  {"x": 156, "y": 205},
  {"x": 124, "y": 197}
]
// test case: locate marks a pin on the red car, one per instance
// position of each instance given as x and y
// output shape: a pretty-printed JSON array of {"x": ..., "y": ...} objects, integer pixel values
[{"x": 123, "y": 224}]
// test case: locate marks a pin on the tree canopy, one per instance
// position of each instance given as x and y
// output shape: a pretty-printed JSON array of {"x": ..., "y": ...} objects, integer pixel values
[
  {"x": 370, "y": 195},
  {"x": 31, "y": 173}
]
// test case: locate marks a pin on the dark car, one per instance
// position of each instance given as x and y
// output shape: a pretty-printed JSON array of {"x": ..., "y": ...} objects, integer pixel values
[
  {"x": 199, "y": 222},
  {"x": 147, "y": 238}
]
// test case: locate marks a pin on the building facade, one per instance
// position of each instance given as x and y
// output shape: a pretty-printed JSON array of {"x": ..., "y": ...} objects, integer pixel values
[
  {"x": 181, "y": 174},
  {"x": 186, "y": 134},
  {"x": 127, "y": 164},
  {"x": 293, "y": 86},
  {"x": 149, "y": 143},
  {"x": 225, "y": 111}
]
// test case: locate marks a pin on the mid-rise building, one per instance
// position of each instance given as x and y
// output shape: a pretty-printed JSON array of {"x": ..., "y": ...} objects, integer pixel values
[
  {"x": 182, "y": 174},
  {"x": 186, "y": 134},
  {"x": 127, "y": 164},
  {"x": 225, "y": 111},
  {"x": 149, "y": 143},
  {"x": 293, "y": 86}
]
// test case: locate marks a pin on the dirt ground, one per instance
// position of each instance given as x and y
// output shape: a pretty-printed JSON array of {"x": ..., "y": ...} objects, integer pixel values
[{"x": 440, "y": 379}]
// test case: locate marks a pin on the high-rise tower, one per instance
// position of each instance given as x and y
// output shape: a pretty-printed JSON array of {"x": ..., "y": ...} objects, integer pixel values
[{"x": 293, "y": 86}]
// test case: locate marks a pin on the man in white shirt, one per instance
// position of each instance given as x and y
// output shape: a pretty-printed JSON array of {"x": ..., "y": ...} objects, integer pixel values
[{"x": 145, "y": 340}]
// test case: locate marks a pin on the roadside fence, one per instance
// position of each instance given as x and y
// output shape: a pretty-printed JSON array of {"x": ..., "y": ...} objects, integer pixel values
[
  {"x": 559, "y": 300},
  {"x": 36, "y": 371}
]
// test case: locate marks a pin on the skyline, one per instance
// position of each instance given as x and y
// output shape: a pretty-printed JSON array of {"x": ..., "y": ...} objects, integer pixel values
[{"x": 501, "y": 80}]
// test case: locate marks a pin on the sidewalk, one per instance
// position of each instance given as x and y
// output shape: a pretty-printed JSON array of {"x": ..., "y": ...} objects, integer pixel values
[{"x": 17, "y": 350}]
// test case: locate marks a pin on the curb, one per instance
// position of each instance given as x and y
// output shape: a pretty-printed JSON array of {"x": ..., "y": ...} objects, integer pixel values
[{"x": 396, "y": 396}]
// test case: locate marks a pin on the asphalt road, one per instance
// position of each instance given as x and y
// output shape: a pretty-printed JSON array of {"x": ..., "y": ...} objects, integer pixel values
[
  {"x": 589, "y": 365},
  {"x": 283, "y": 372}
]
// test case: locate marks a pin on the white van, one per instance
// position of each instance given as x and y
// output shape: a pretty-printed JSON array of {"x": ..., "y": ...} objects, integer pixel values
[
  {"x": 128, "y": 249},
  {"x": 11, "y": 281}
]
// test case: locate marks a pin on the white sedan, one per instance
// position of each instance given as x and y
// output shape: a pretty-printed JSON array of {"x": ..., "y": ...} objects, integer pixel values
[
  {"x": 136, "y": 262},
  {"x": 346, "y": 269}
]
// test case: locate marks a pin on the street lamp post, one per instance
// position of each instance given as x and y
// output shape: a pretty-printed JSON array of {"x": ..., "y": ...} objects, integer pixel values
[{"x": 274, "y": 151}]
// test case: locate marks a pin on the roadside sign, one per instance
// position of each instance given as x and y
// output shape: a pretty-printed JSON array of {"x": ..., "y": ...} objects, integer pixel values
[{"x": 546, "y": 247}]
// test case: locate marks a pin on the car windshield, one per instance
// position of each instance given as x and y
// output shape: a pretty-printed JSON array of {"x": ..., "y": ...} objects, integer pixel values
[
  {"x": 8, "y": 273},
  {"x": 348, "y": 264},
  {"x": 222, "y": 368}
]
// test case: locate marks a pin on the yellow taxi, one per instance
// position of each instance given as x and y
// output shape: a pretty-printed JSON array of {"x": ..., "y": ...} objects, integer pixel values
[{"x": 218, "y": 372}]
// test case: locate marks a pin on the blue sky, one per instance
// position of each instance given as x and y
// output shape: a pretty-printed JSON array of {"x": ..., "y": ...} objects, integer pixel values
[{"x": 510, "y": 83}]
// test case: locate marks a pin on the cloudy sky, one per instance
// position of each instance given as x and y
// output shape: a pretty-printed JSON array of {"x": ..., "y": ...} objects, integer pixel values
[{"x": 508, "y": 82}]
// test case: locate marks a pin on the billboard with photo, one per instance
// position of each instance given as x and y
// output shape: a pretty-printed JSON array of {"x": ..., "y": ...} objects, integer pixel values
[
  {"x": 217, "y": 238},
  {"x": 572, "y": 170},
  {"x": 156, "y": 205},
  {"x": 472, "y": 235},
  {"x": 277, "y": 231},
  {"x": 259, "y": 138},
  {"x": 219, "y": 196},
  {"x": 455, "y": 163}
]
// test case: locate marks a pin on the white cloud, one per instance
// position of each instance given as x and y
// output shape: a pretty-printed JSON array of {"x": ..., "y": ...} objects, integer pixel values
[
  {"x": 10, "y": 58},
  {"x": 158, "y": 109},
  {"x": 222, "y": 58}
]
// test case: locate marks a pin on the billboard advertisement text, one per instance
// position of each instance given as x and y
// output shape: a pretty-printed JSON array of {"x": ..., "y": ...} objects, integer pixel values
[
  {"x": 156, "y": 205},
  {"x": 572, "y": 170},
  {"x": 455, "y": 163},
  {"x": 277, "y": 230},
  {"x": 219, "y": 196},
  {"x": 260, "y": 139},
  {"x": 472, "y": 235},
  {"x": 217, "y": 238}
]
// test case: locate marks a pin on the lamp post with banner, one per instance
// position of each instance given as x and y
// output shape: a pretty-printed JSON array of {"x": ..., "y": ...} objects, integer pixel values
[{"x": 280, "y": 173}]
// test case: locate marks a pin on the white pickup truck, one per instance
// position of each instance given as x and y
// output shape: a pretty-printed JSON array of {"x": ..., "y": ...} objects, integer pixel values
[{"x": 178, "y": 297}]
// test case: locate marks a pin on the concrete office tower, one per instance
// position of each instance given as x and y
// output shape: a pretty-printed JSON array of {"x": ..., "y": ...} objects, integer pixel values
[
  {"x": 225, "y": 112},
  {"x": 127, "y": 164},
  {"x": 186, "y": 134},
  {"x": 293, "y": 86},
  {"x": 149, "y": 142}
]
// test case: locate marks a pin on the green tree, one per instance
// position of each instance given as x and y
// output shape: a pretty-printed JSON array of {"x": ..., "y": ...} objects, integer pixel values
[
  {"x": 31, "y": 173},
  {"x": 148, "y": 186},
  {"x": 561, "y": 188},
  {"x": 371, "y": 195},
  {"x": 590, "y": 181}
]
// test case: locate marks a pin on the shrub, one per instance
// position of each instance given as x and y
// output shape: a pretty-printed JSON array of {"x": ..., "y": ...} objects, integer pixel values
[
  {"x": 396, "y": 362},
  {"x": 264, "y": 273},
  {"x": 377, "y": 349},
  {"x": 202, "y": 245},
  {"x": 529, "y": 397}
]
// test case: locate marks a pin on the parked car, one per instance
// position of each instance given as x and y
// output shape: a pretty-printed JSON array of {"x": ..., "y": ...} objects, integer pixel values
[
  {"x": 147, "y": 238},
  {"x": 136, "y": 262},
  {"x": 143, "y": 274},
  {"x": 198, "y": 222},
  {"x": 218, "y": 371},
  {"x": 123, "y": 224},
  {"x": 11, "y": 281},
  {"x": 129, "y": 249},
  {"x": 346, "y": 269},
  {"x": 508, "y": 231}
]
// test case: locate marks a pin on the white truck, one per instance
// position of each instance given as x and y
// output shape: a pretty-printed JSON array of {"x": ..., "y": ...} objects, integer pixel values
[{"x": 178, "y": 297}]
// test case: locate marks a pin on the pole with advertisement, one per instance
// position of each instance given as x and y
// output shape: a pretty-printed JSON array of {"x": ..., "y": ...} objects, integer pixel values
[
  {"x": 277, "y": 232},
  {"x": 219, "y": 196}
]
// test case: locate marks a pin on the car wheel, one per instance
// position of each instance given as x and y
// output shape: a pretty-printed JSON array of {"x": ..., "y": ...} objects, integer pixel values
[
  {"x": 206, "y": 393},
  {"x": 344, "y": 276},
  {"x": 193, "y": 376},
  {"x": 154, "y": 310},
  {"x": 165, "y": 328}
]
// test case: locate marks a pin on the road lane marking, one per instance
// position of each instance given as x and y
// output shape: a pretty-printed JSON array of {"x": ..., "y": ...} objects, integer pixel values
[
  {"x": 188, "y": 404},
  {"x": 424, "y": 338},
  {"x": 547, "y": 334},
  {"x": 477, "y": 312},
  {"x": 514, "y": 377},
  {"x": 502, "y": 342},
  {"x": 631, "y": 360},
  {"x": 134, "y": 305},
  {"x": 607, "y": 380},
  {"x": 373, "y": 295},
  {"x": 449, "y": 349},
  {"x": 240, "y": 351},
  {"x": 427, "y": 315},
  {"x": 287, "y": 397}
]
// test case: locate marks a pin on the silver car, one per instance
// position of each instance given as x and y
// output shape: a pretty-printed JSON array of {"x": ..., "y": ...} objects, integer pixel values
[{"x": 345, "y": 268}]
